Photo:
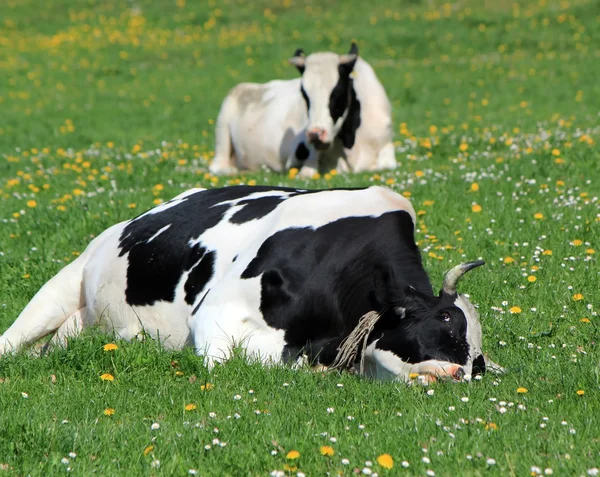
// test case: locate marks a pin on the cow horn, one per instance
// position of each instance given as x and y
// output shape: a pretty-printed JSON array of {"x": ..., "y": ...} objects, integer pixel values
[
  {"x": 298, "y": 60},
  {"x": 454, "y": 275}
]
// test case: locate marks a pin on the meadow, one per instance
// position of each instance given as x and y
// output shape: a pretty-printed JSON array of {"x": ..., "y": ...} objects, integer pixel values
[{"x": 107, "y": 107}]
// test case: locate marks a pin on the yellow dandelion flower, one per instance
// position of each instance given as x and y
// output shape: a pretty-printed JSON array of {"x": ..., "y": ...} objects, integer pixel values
[
  {"x": 207, "y": 387},
  {"x": 407, "y": 193},
  {"x": 474, "y": 187},
  {"x": 585, "y": 320},
  {"x": 547, "y": 252},
  {"x": 132, "y": 205},
  {"x": 556, "y": 152},
  {"x": 419, "y": 173},
  {"x": 148, "y": 449},
  {"x": 578, "y": 297},
  {"x": 521, "y": 390},
  {"x": 107, "y": 377},
  {"x": 190, "y": 407},
  {"x": 251, "y": 182},
  {"x": 292, "y": 455},
  {"x": 413, "y": 375},
  {"x": 491, "y": 426},
  {"x": 428, "y": 203},
  {"x": 385, "y": 461},
  {"x": 580, "y": 392},
  {"x": 476, "y": 208},
  {"x": 577, "y": 243},
  {"x": 157, "y": 201},
  {"x": 178, "y": 373},
  {"x": 109, "y": 411},
  {"x": 531, "y": 279},
  {"x": 390, "y": 181},
  {"x": 327, "y": 450},
  {"x": 538, "y": 216},
  {"x": 290, "y": 468},
  {"x": 110, "y": 347},
  {"x": 515, "y": 310},
  {"x": 590, "y": 251},
  {"x": 31, "y": 203},
  {"x": 508, "y": 260},
  {"x": 463, "y": 147}
]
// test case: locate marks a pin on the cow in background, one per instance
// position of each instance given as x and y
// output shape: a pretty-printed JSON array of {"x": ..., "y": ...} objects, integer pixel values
[{"x": 337, "y": 115}]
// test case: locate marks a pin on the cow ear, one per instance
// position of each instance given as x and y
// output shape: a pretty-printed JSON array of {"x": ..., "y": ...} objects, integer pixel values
[
  {"x": 353, "y": 49},
  {"x": 348, "y": 60},
  {"x": 385, "y": 291},
  {"x": 298, "y": 60}
]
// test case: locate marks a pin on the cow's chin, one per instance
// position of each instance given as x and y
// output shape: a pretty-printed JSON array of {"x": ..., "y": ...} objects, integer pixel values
[{"x": 321, "y": 146}]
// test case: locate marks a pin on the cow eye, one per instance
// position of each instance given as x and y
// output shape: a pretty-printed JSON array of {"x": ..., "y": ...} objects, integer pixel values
[{"x": 446, "y": 317}]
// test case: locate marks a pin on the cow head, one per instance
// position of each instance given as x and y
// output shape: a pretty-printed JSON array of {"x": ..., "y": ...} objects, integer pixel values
[
  {"x": 327, "y": 90},
  {"x": 420, "y": 327}
]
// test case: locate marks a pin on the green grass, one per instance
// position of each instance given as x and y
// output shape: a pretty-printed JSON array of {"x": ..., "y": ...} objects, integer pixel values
[{"x": 106, "y": 109}]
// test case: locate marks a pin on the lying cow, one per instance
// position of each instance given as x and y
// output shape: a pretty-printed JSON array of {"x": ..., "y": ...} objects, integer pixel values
[
  {"x": 283, "y": 273},
  {"x": 336, "y": 115}
]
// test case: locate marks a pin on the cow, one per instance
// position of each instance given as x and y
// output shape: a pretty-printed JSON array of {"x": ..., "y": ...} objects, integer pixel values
[
  {"x": 286, "y": 274},
  {"x": 336, "y": 115}
]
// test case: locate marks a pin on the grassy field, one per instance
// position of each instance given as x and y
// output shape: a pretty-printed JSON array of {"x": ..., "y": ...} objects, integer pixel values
[{"x": 108, "y": 106}]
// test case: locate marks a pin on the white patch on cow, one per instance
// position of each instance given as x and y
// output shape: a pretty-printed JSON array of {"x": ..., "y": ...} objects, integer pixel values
[
  {"x": 255, "y": 195},
  {"x": 163, "y": 229},
  {"x": 474, "y": 334},
  {"x": 230, "y": 317},
  {"x": 169, "y": 204}
]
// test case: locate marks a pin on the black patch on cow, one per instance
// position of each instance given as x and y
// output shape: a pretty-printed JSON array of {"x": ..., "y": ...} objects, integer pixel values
[
  {"x": 155, "y": 267},
  {"x": 305, "y": 96},
  {"x": 479, "y": 366},
  {"x": 255, "y": 208},
  {"x": 316, "y": 283},
  {"x": 234, "y": 259},
  {"x": 339, "y": 99},
  {"x": 302, "y": 152},
  {"x": 199, "y": 276},
  {"x": 352, "y": 122}
]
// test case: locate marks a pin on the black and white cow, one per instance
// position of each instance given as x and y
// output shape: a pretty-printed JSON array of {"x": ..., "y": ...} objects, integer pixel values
[
  {"x": 337, "y": 115},
  {"x": 281, "y": 272}
]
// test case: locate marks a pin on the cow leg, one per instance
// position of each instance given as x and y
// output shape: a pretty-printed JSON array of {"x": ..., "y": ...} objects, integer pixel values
[
  {"x": 230, "y": 319},
  {"x": 493, "y": 367},
  {"x": 52, "y": 305},
  {"x": 224, "y": 162},
  {"x": 70, "y": 328},
  {"x": 386, "y": 159}
]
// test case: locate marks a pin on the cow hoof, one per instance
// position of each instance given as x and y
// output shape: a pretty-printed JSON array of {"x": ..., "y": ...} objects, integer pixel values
[{"x": 220, "y": 170}]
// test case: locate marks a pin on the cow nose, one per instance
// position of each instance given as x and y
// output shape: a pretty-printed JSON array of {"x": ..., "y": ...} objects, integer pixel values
[
  {"x": 317, "y": 136},
  {"x": 459, "y": 374}
]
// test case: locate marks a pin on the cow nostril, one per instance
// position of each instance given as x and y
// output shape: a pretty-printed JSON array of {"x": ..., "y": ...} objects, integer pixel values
[{"x": 459, "y": 374}]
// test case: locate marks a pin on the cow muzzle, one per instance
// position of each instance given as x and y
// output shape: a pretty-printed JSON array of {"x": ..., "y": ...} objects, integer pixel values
[{"x": 319, "y": 138}]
